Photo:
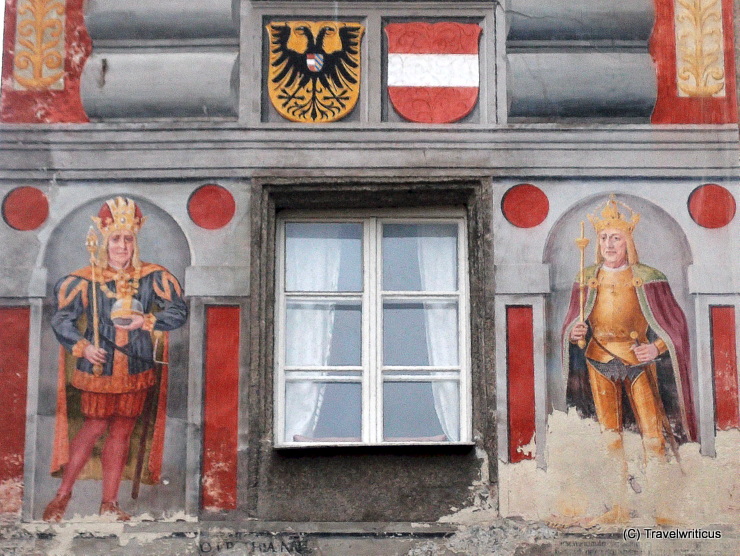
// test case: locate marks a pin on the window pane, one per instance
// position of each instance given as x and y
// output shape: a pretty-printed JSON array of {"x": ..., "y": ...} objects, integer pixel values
[
  {"x": 421, "y": 411},
  {"x": 323, "y": 411},
  {"x": 323, "y": 256},
  {"x": 323, "y": 333},
  {"x": 420, "y": 257},
  {"x": 417, "y": 333}
]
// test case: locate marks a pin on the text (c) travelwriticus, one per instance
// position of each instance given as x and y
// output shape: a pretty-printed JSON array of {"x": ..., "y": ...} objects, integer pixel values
[{"x": 637, "y": 533}]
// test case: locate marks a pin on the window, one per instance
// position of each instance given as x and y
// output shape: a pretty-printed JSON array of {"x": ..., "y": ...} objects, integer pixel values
[{"x": 372, "y": 330}]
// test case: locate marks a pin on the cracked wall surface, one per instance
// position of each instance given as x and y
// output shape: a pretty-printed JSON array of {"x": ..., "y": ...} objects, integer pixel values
[{"x": 581, "y": 480}]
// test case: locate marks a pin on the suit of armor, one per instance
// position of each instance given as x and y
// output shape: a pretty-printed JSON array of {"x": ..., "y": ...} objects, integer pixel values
[
  {"x": 621, "y": 304},
  {"x": 616, "y": 323}
]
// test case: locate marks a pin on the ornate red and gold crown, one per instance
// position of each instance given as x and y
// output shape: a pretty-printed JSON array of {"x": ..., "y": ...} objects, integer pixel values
[
  {"x": 119, "y": 214},
  {"x": 612, "y": 218}
]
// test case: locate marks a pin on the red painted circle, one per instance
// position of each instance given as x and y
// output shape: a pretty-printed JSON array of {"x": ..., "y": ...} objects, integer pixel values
[
  {"x": 25, "y": 208},
  {"x": 525, "y": 205},
  {"x": 712, "y": 206},
  {"x": 211, "y": 207}
]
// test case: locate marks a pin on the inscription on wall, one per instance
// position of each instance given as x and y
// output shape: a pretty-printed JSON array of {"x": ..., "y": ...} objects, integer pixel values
[{"x": 253, "y": 543}]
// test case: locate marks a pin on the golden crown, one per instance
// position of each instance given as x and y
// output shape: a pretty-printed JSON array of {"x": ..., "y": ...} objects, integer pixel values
[
  {"x": 612, "y": 218},
  {"x": 119, "y": 214}
]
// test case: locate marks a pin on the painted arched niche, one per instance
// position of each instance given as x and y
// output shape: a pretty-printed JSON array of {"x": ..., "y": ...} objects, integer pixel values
[
  {"x": 660, "y": 242},
  {"x": 161, "y": 241}
]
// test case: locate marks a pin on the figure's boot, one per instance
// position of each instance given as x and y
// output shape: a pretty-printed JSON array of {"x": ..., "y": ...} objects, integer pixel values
[
  {"x": 112, "y": 509},
  {"x": 55, "y": 509},
  {"x": 663, "y": 481},
  {"x": 79, "y": 452},
  {"x": 654, "y": 449},
  {"x": 619, "y": 512},
  {"x": 617, "y": 515}
]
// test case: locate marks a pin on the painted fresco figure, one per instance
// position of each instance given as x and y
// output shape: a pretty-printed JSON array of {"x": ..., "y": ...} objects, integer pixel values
[
  {"x": 115, "y": 377},
  {"x": 634, "y": 344}
]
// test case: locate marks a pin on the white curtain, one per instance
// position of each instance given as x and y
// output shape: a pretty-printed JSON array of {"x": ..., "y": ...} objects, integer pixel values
[
  {"x": 438, "y": 265},
  {"x": 313, "y": 266}
]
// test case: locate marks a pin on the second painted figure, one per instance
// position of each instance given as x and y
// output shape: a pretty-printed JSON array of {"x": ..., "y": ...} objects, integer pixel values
[{"x": 630, "y": 343}]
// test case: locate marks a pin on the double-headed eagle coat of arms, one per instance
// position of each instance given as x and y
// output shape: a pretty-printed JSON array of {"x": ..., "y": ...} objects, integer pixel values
[{"x": 314, "y": 69}]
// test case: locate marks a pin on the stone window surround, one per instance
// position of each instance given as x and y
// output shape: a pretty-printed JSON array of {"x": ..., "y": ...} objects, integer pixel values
[{"x": 269, "y": 197}]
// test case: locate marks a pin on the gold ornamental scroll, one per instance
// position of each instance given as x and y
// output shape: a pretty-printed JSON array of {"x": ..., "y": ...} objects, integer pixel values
[
  {"x": 700, "y": 59},
  {"x": 314, "y": 69},
  {"x": 39, "y": 45}
]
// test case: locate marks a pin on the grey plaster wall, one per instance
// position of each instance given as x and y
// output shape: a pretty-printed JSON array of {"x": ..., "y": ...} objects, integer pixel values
[
  {"x": 581, "y": 84},
  {"x": 125, "y": 84},
  {"x": 491, "y": 536},
  {"x": 169, "y": 151},
  {"x": 413, "y": 484},
  {"x": 148, "y": 74},
  {"x": 172, "y": 19},
  {"x": 581, "y": 59},
  {"x": 169, "y": 59},
  {"x": 579, "y": 20},
  {"x": 19, "y": 250}
]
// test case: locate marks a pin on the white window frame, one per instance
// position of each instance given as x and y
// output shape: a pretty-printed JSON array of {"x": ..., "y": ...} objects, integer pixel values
[{"x": 372, "y": 302}]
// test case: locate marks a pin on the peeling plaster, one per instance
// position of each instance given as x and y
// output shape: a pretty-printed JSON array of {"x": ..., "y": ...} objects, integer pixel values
[
  {"x": 581, "y": 480},
  {"x": 95, "y": 526},
  {"x": 529, "y": 449},
  {"x": 483, "y": 495},
  {"x": 11, "y": 497},
  {"x": 212, "y": 481},
  {"x": 497, "y": 537}
]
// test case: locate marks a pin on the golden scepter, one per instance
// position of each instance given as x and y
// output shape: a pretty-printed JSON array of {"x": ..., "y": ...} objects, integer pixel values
[
  {"x": 92, "y": 248},
  {"x": 582, "y": 242}
]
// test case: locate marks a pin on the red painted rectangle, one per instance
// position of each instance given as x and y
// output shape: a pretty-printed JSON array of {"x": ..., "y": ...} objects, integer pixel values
[
  {"x": 724, "y": 365},
  {"x": 15, "y": 325},
  {"x": 221, "y": 408},
  {"x": 520, "y": 379}
]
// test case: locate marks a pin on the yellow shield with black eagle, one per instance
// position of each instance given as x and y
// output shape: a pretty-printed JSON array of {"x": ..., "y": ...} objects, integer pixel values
[{"x": 314, "y": 69}]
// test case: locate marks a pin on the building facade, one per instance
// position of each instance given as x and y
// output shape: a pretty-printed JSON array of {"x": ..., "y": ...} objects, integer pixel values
[{"x": 372, "y": 209}]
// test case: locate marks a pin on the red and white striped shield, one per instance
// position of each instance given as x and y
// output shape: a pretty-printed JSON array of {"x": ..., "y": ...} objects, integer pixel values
[{"x": 433, "y": 70}]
